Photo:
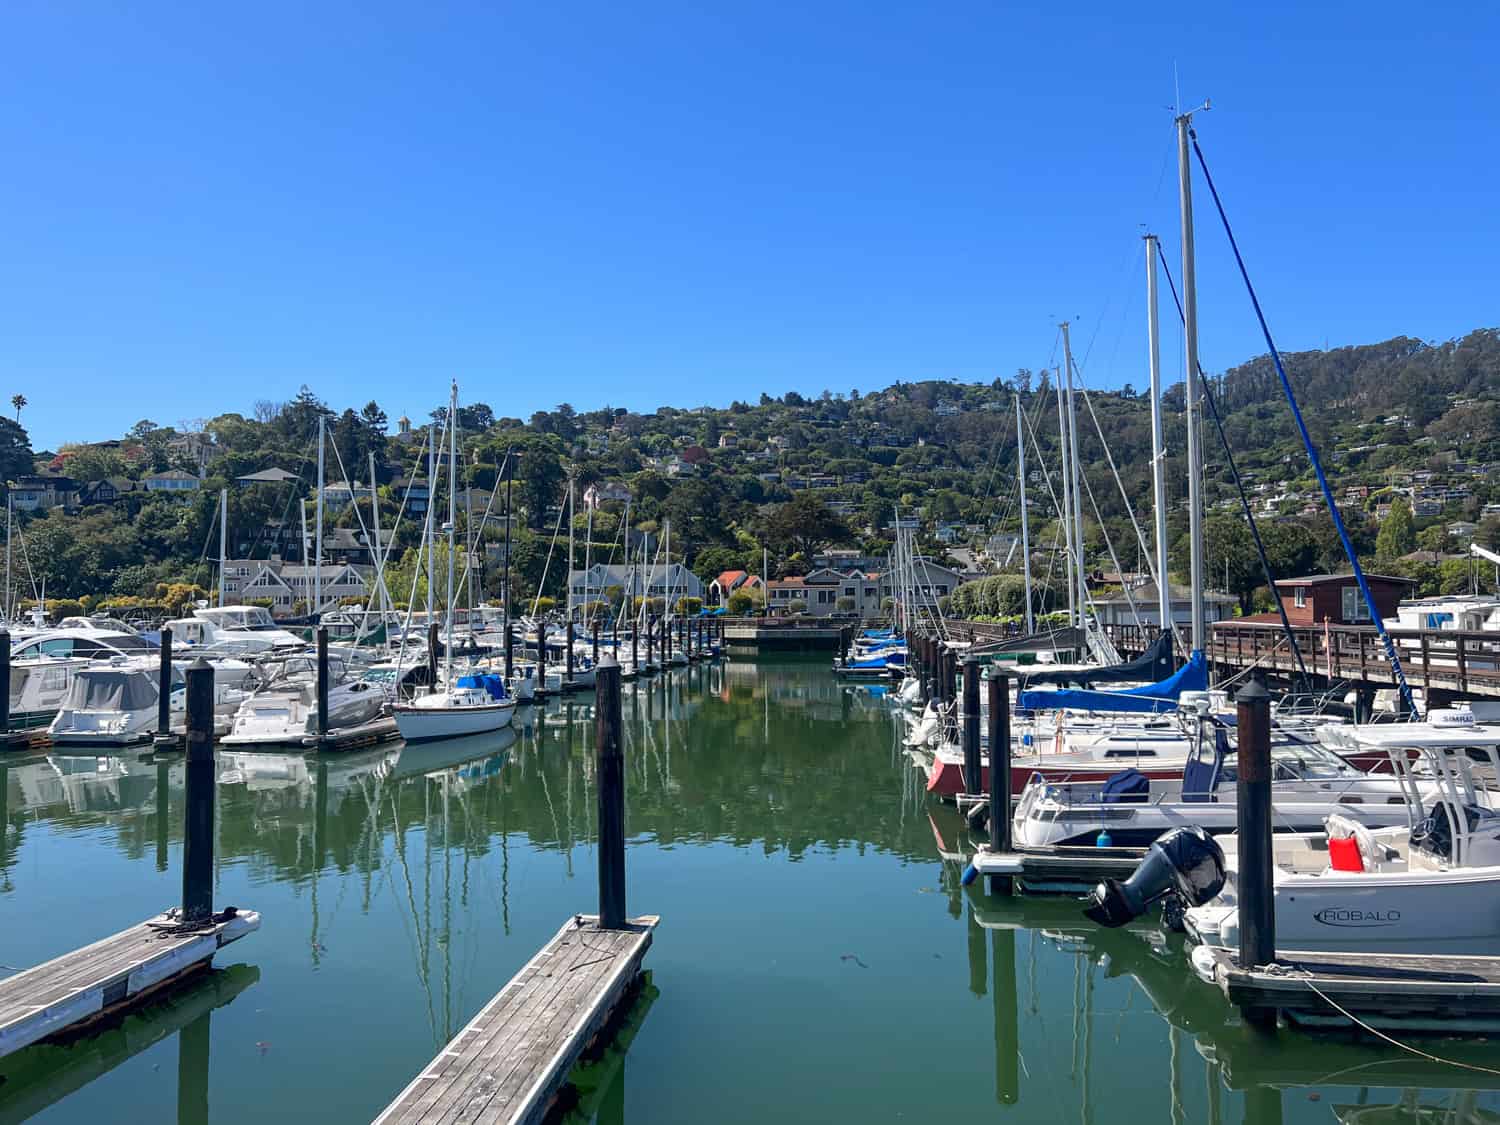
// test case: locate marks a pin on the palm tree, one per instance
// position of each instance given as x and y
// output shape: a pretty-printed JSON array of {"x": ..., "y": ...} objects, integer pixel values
[{"x": 18, "y": 401}]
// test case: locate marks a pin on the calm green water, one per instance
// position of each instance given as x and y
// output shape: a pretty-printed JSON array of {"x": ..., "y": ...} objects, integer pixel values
[{"x": 817, "y": 959}]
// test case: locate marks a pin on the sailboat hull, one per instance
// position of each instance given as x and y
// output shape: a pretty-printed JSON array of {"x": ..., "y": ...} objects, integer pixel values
[{"x": 424, "y": 724}]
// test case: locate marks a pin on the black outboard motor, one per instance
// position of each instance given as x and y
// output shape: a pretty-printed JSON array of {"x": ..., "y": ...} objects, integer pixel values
[{"x": 1185, "y": 862}]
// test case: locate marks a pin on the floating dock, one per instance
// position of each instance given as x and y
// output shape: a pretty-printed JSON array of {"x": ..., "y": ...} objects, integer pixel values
[
  {"x": 1060, "y": 869},
  {"x": 69, "y": 992},
  {"x": 512, "y": 1059},
  {"x": 1392, "y": 991}
]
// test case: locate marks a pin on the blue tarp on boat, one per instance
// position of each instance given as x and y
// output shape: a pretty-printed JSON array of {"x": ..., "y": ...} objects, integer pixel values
[
  {"x": 493, "y": 685},
  {"x": 1149, "y": 698}
]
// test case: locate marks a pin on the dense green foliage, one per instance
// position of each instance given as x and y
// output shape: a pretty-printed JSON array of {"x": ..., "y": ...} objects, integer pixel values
[{"x": 787, "y": 477}]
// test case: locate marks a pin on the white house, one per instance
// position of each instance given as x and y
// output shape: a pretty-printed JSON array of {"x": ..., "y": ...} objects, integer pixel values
[
  {"x": 286, "y": 584},
  {"x": 171, "y": 481}
]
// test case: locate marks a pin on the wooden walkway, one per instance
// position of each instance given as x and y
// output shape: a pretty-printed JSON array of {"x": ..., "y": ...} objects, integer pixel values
[
  {"x": 509, "y": 1063},
  {"x": 118, "y": 972},
  {"x": 1445, "y": 995},
  {"x": 1061, "y": 869}
]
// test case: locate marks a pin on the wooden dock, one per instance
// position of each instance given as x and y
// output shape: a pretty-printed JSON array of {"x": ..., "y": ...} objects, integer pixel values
[
  {"x": 511, "y": 1060},
  {"x": 1059, "y": 869},
  {"x": 1391, "y": 991},
  {"x": 69, "y": 992}
]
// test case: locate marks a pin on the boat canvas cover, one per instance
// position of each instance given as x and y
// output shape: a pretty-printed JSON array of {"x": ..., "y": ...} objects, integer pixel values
[
  {"x": 101, "y": 689},
  {"x": 1149, "y": 698},
  {"x": 1153, "y": 664},
  {"x": 493, "y": 685}
]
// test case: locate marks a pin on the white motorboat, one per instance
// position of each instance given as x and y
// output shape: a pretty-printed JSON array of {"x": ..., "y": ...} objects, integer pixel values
[
  {"x": 1131, "y": 810},
  {"x": 246, "y": 628},
  {"x": 1431, "y": 886},
  {"x": 114, "y": 704},
  {"x": 285, "y": 713}
]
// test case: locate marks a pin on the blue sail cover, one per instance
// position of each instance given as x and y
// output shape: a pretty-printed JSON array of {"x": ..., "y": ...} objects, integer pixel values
[{"x": 1152, "y": 699}]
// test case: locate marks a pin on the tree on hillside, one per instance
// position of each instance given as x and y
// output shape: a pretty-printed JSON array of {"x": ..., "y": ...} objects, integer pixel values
[
  {"x": 540, "y": 480},
  {"x": 18, "y": 401},
  {"x": 1396, "y": 537},
  {"x": 803, "y": 524},
  {"x": 15, "y": 450}
]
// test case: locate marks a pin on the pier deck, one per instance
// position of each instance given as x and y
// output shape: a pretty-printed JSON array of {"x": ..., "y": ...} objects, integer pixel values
[
  {"x": 1058, "y": 870},
  {"x": 1447, "y": 995},
  {"x": 513, "y": 1057},
  {"x": 118, "y": 972}
]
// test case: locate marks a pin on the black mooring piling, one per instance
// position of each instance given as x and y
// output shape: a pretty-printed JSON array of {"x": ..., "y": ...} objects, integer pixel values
[
  {"x": 610, "y": 776},
  {"x": 198, "y": 828}
]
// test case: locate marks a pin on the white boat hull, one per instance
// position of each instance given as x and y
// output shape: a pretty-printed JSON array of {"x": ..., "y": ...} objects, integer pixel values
[
  {"x": 1436, "y": 912},
  {"x": 424, "y": 724}
]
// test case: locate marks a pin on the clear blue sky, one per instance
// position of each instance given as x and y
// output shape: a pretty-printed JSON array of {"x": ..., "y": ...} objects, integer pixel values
[{"x": 687, "y": 203}]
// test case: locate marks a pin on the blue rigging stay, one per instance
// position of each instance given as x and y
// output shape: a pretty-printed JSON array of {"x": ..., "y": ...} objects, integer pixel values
[{"x": 1312, "y": 452}]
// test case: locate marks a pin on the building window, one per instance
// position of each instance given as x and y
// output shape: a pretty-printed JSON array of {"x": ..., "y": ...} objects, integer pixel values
[
  {"x": 1301, "y": 597},
  {"x": 1354, "y": 606}
]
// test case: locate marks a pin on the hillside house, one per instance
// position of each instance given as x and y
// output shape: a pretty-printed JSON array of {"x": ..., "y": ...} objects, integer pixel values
[
  {"x": 1336, "y": 599},
  {"x": 173, "y": 482}
]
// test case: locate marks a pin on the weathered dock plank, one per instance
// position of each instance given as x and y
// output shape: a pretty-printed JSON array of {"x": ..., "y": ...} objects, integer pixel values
[
  {"x": 115, "y": 972},
  {"x": 511, "y": 1059},
  {"x": 1389, "y": 990}
]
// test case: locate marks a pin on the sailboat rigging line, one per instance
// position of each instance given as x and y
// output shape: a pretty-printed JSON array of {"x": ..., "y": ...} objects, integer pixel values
[
  {"x": 1157, "y": 571},
  {"x": 542, "y": 584},
  {"x": 1312, "y": 450},
  {"x": 1047, "y": 480},
  {"x": 1109, "y": 546},
  {"x": 1239, "y": 484}
]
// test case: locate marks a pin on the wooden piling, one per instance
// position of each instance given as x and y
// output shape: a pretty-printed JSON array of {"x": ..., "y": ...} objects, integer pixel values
[
  {"x": 971, "y": 726},
  {"x": 1257, "y": 904},
  {"x": 610, "y": 777},
  {"x": 635, "y": 648},
  {"x": 322, "y": 682},
  {"x": 999, "y": 732},
  {"x": 568, "y": 655},
  {"x": 540, "y": 690},
  {"x": 595, "y": 631},
  {"x": 164, "y": 688},
  {"x": 432, "y": 645},
  {"x": 4, "y": 682},
  {"x": 650, "y": 641},
  {"x": 198, "y": 826},
  {"x": 510, "y": 659}
]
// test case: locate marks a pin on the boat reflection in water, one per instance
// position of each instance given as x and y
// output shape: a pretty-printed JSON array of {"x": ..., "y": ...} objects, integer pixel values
[{"x": 1360, "y": 1081}]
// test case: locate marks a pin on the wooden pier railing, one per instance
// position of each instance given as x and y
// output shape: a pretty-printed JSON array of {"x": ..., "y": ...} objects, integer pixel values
[{"x": 1449, "y": 660}]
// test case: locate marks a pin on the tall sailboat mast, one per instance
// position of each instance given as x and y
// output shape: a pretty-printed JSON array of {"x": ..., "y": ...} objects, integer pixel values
[
  {"x": 1158, "y": 441},
  {"x": 318, "y": 550},
  {"x": 1025, "y": 531},
  {"x": 1081, "y": 573},
  {"x": 570, "y": 547},
  {"x": 1190, "y": 376},
  {"x": 1067, "y": 503},
  {"x": 223, "y": 539},
  {"x": 452, "y": 521},
  {"x": 427, "y": 523}
]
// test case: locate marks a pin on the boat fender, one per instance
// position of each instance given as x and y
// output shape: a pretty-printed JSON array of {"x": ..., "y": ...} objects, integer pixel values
[
  {"x": 1104, "y": 839},
  {"x": 970, "y": 874}
]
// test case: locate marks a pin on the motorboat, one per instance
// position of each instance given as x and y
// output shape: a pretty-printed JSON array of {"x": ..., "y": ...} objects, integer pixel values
[
  {"x": 1309, "y": 784},
  {"x": 114, "y": 704},
  {"x": 285, "y": 711},
  {"x": 1430, "y": 886},
  {"x": 476, "y": 703},
  {"x": 248, "y": 628}
]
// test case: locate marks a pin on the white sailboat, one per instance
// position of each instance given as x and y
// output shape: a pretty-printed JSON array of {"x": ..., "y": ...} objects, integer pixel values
[{"x": 476, "y": 703}]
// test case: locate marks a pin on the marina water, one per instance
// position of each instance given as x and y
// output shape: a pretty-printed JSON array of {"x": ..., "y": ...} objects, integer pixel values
[{"x": 818, "y": 960}]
